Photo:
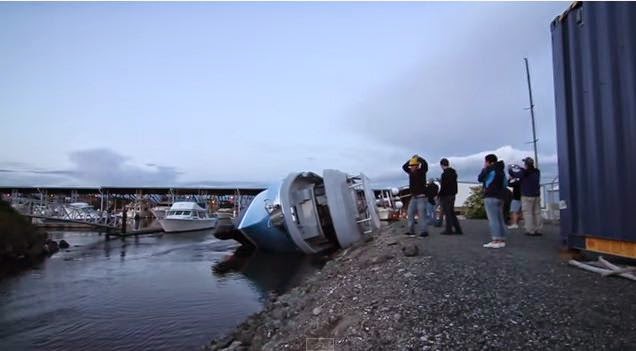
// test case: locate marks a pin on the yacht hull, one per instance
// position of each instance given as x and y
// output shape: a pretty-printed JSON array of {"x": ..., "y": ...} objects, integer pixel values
[{"x": 186, "y": 225}]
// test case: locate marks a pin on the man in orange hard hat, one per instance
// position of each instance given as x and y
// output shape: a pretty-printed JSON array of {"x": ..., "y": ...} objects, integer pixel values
[{"x": 416, "y": 167}]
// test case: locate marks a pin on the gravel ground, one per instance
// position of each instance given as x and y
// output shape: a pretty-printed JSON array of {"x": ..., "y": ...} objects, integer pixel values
[{"x": 451, "y": 294}]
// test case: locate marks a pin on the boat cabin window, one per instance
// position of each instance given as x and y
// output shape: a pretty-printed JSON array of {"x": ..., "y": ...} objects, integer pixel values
[{"x": 186, "y": 213}]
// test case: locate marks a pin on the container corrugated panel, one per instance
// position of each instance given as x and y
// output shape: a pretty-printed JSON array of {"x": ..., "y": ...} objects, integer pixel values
[{"x": 594, "y": 56}]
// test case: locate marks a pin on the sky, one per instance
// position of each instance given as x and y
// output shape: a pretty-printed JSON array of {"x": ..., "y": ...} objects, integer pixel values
[{"x": 221, "y": 94}]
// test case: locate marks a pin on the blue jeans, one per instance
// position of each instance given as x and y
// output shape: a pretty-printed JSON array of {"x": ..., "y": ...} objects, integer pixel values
[
  {"x": 430, "y": 212},
  {"x": 494, "y": 211},
  {"x": 417, "y": 204}
]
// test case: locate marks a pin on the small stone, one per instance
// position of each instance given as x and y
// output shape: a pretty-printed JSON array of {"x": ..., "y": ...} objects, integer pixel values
[
  {"x": 397, "y": 317},
  {"x": 410, "y": 250},
  {"x": 316, "y": 311}
]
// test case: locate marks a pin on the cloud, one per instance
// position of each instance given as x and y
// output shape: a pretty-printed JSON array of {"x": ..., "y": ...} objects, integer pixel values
[
  {"x": 468, "y": 166},
  {"x": 469, "y": 93},
  {"x": 94, "y": 167},
  {"x": 106, "y": 167}
]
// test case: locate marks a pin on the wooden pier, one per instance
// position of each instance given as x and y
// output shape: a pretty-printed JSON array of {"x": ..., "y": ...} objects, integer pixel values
[{"x": 52, "y": 205}]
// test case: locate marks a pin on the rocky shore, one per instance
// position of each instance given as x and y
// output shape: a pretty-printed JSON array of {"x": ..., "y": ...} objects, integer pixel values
[
  {"x": 395, "y": 292},
  {"x": 21, "y": 243}
]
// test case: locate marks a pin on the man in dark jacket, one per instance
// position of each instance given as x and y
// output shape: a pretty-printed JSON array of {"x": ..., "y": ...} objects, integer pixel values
[
  {"x": 493, "y": 178},
  {"x": 530, "y": 178},
  {"x": 416, "y": 167},
  {"x": 431, "y": 194},
  {"x": 447, "y": 193}
]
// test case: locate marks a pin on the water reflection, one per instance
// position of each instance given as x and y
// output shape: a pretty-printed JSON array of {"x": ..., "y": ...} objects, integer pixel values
[{"x": 269, "y": 272}]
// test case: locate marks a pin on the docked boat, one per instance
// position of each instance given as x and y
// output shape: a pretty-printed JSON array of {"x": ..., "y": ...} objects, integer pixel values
[
  {"x": 308, "y": 213},
  {"x": 138, "y": 209},
  {"x": 160, "y": 210},
  {"x": 81, "y": 211},
  {"x": 185, "y": 217},
  {"x": 389, "y": 204}
]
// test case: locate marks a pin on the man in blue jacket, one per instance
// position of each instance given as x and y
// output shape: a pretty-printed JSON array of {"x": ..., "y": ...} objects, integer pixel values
[
  {"x": 493, "y": 178},
  {"x": 416, "y": 168},
  {"x": 530, "y": 178}
]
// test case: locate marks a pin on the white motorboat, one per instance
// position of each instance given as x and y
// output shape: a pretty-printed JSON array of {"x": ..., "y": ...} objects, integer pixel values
[
  {"x": 185, "y": 217},
  {"x": 161, "y": 209}
]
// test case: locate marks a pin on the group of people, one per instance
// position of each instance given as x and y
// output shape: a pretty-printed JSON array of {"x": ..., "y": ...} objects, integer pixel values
[
  {"x": 425, "y": 196},
  {"x": 526, "y": 197}
]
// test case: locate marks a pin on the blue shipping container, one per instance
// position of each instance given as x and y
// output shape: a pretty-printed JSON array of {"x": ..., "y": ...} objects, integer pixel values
[{"x": 594, "y": 57}]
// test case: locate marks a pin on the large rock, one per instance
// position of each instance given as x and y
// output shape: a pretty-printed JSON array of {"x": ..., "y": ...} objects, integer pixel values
[{"x": 64, "y": 244}]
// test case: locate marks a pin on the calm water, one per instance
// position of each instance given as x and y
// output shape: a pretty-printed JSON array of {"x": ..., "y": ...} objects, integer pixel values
[{"x": 162, "y": 292}]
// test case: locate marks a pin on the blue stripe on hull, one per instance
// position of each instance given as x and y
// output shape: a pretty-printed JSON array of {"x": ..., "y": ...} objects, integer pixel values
[
  {"x": 254, "y": 225},
  {"x": 269, "y": 239}
]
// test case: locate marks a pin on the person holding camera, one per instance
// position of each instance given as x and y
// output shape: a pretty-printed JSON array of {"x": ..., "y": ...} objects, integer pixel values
[{"x": 529, "y": 178}]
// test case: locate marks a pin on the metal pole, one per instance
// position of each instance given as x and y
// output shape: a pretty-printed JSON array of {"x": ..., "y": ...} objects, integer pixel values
[{"x": 534, "y": 134}]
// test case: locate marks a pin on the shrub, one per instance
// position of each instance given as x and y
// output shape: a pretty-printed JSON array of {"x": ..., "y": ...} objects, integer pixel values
[{"x": 475, "y": 203}]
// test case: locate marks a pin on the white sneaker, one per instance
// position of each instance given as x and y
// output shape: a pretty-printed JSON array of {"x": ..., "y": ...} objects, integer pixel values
[
  {"x": 513, "y": 226},
  {"x": 495, "y": 245}
]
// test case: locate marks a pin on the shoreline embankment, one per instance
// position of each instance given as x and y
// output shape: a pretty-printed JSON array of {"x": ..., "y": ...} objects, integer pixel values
[{"x": 445, "y": 292}]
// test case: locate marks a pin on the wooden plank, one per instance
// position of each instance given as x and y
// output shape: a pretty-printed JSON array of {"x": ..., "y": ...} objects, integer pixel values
[{"x": 612, "y": 247}]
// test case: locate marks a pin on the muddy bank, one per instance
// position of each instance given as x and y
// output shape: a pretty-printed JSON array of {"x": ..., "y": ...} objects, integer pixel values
[{"x": 445, "y": 292}]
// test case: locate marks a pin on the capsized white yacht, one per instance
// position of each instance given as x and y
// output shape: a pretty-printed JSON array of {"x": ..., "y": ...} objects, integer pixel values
[
  {"x": 185, "y": 217},
  {"x": 309, "y": 213}
]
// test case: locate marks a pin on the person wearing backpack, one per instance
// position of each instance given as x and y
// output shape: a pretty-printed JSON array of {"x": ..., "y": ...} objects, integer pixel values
[{"x": 432, "y": 190}]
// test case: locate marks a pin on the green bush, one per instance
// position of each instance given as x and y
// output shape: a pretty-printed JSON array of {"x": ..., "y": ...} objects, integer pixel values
[{"x": 475, "y": 203}]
